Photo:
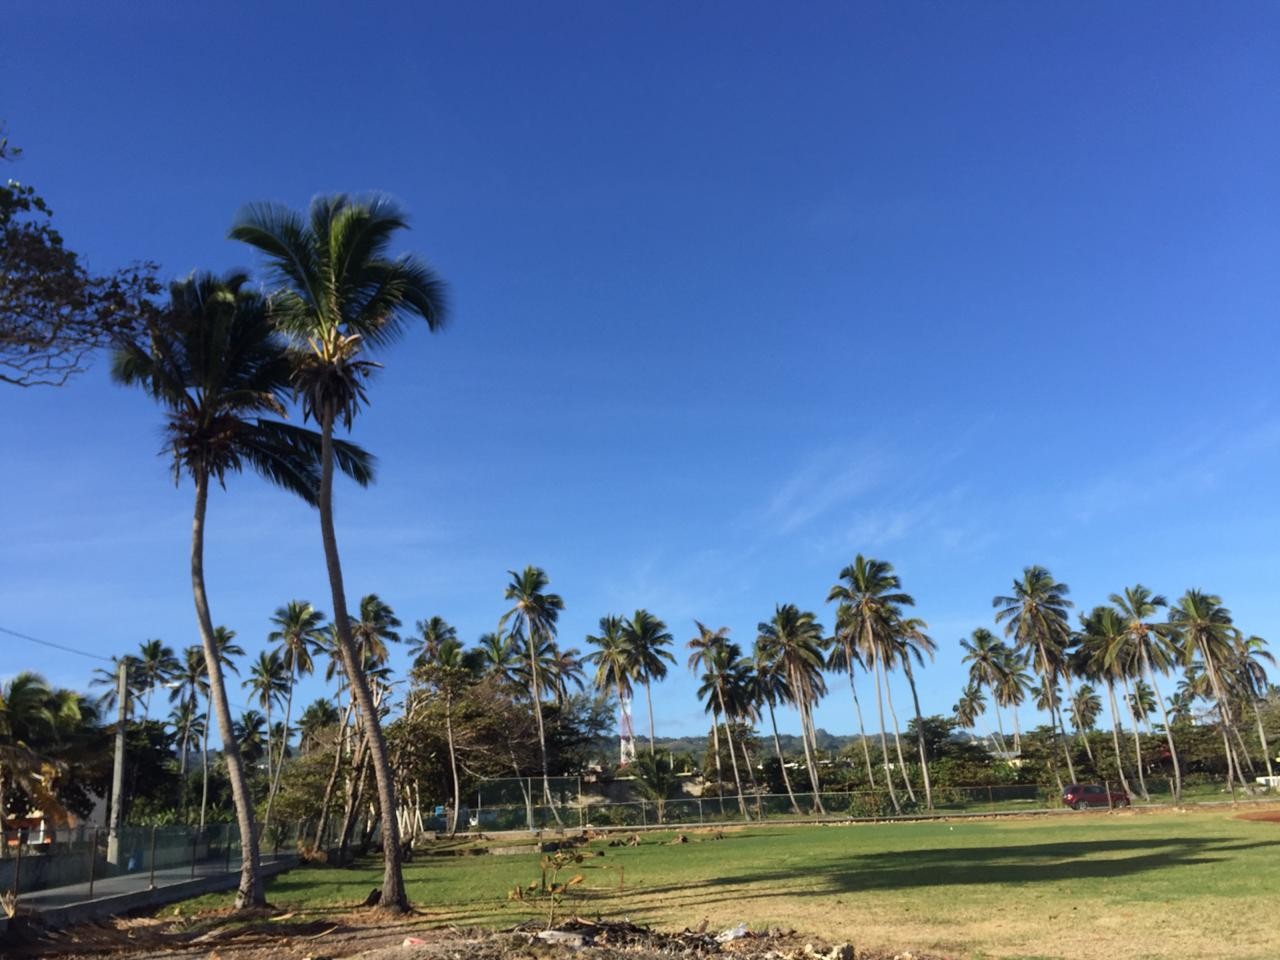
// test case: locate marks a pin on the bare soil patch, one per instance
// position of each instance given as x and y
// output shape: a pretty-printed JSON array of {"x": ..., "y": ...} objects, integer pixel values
[{"x": 376, "y": 935}]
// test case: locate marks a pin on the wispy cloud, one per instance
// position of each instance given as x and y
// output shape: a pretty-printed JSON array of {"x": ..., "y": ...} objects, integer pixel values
[{"x": 828, "y": 480}]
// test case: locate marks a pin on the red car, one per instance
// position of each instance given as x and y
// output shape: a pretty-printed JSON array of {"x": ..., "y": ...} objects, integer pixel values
[{"x": 1078, "y": 796}]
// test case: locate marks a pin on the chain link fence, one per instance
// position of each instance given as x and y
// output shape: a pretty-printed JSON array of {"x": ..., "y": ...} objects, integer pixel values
[{"x": 56, "y": 867}]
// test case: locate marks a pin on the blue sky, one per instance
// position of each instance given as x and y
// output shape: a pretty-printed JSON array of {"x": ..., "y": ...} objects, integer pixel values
[{"x": 740, "y": 290}]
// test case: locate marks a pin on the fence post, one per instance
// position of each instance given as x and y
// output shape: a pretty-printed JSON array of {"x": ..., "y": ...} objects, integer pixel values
[
  {"x": 195, "y": 838},
  {"x": 699, "y": 810},
  {"x": 151, "y": 884},
  {"x": 93, "y": 859},
  {"x": 644, "y": 814}
]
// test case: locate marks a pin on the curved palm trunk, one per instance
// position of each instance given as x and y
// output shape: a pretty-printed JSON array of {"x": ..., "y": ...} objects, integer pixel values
[
  {"x": 862, "y": 733},
  {"x": 715, "y": 746},
  {"x": 1017, "y": 733},
  {"x": 394, "y": 896},
  {"x": 809, "y": 741},
  {"x": 1262, "y": 735},
  {"x": 1055, "y": 714},
  {"x": 204, "y": 759},
  {"x": 1248, "y": 757},
  {"x": 648, "y": 699},
  {"x": 733, "y": 756},
  {"x": 453, "y": 764},
  {"x": 1137, "y": 744},
  {"x": 1233, "y": 765},
  {"x": 884, "y": 743},
  {"x": 1115, "y": 736},
  {"x": 897, "y": 739},
  {"x": 249, "y": 893},
  {"x": 924, "y": 758},
  {"x": 536, "y": 692},
  {"x": 1004, "y": 747},
  {"x": 782, "y": 761},
  {"x": 339, "y": 749},
  {"x": 284, "y": 745},
  {"x": 1168, "y": 727}
]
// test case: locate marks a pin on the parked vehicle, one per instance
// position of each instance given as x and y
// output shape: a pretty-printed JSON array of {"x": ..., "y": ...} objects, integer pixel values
[{"x": 1079, "y": 796}]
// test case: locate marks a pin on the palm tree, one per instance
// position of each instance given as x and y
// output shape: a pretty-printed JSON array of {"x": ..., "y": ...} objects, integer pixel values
[
  {"x": 190, "y": 683},
  {"x": 318, "y": 717},
  {"x": 340, "y": 291},
  {"x": 715, "y": 654},
  {"x": 499, "y": 656},
  {"x": 378, "y": 625},
  {"x": 970, "y": 706},
  {"x": 299, "y": 635},
  {"x": 614, "y": 671},
  {"x": 442, "y": 664},
  {"x": 227, "y": 650},
  {"x": 1013, "y": 684},
  {"x": 269, "y": 682},
  {"x": 1036, "y": 617},
  {"x": 215, "y": 364},
  {"x": 1250, "y": 655},
  {"x": 156, "y": 666},
  {"x": 533, "y": 618},
  {"x": 1086, "y": 706},
  {"x": 1204, "y": 627},
  {"x": 870, "y": 602},
  {"x": 1103, "y": 649},
  {"x": 843, "y": 657},
  {"x": 911, "y": 642},
  {"x": 795, "y": 640},
  {"x": 252, "y": 733},
  {"x": 987, "y": 660},
  {"x": 647, "y": 639},
  {"x": 770, "y": 687}
]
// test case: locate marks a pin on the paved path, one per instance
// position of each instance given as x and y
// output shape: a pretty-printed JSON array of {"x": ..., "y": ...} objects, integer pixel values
[{"x": 56, "y": 898}]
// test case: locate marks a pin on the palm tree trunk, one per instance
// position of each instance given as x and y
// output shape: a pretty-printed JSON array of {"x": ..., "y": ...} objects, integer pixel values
[
  {"x": 715, "y": 746},
  {"x": 1233, "y": 765},
  {"x": 1137, "y": 742},
  {"x": 884, "y": 744},
  {"x": 204, "y": 759},
  {"x": 453, "y": 764},
  {"x": 1248, "y": 757},
  {"x": 1055, "y": 714},
  {"x": 1115, "y": 736},
  {"x": 782, "y": 761},
  {"x": 1017, "y": 733},
  {"x": 648, "y": 699},
  {"x": 810, "y": 739},
  {"x": 897, "y": 739},
  {"x": 284, "y": 745},
  {"x": 1262, "y": 735},
  {"x": 733, "y": 756},
  {"x": 339, "y": 748},
  {"x": 862, "y": 733},
  {"x": 249, "y": 893},
  {"x": 1168, "y": 727},
  {"x": 924, "y": 759},
  {"x": 394, "y": 897},
  {"x": 1004, "y": 746},
  {"x": 536, "y": 692}
]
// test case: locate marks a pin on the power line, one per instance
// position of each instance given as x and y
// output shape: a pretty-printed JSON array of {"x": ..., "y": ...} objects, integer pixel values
[{"x": 55, "y": 646}]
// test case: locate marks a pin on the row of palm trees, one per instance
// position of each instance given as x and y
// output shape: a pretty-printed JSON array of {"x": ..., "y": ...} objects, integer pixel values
[{"x": 1126, "y": 645}]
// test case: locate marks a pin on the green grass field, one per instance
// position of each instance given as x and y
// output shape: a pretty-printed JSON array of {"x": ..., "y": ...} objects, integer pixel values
[{"x": 1147, "y": 884}]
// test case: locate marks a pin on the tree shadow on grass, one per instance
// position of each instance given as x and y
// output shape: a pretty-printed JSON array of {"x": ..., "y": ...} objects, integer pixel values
[{"x": 1004, "y": 864}]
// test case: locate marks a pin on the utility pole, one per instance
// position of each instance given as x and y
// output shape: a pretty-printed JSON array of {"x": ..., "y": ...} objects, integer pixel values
[{"x": 117, "y": 775}]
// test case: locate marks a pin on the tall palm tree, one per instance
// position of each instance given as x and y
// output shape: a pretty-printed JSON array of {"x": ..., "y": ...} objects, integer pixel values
[
  {"x": 299, "y": 635},
  {"x": 499, "y": 656},
  {"x": 715, "y": 654},
  {"x": 843, "y": 657},
  {"x": 214, "y": 363},
  {"x": 251, "y": 733},
  {"x": 227, "y": 652},
  {"x": 1035, "y": 615},
  {"x": 1250, "y": 655},
  {"x": 433, "y": 634},
  {"x": 269, "y": 681},
  {"x": 156, "y": 666},
  {"x": 1104, "y": 654},
  {"x": 911, "y": 642},
  {"x": 378, "y": 625},
  {"x": 985, "y": 655},
  {"x": 794, "y": 638},
  {"x": 340, "y": 292},
  {"x": 1086, "y": 707},
  {"x": 770, "y": 687},
  {"x": 318, "y": 717},
  {"x": 970, "y": 706},
  {"x": 1013, "y": 684},
  {"x": 442, "y": 665},
  {"x": 870, "y": 601},
  {"x": 533, "y": 619},
  {"x": 191, "y": 683},
  {"x": 648, "y": 637},
  {"x": 614, "y": 665},
  {"x": 1204, "y": 627}
]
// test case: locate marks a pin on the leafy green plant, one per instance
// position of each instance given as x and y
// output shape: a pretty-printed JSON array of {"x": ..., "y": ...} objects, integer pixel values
[{"x": 550, "y": 889}]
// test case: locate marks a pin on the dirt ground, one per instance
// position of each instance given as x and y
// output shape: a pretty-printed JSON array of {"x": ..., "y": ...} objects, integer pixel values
[{"x": 376, "y": 935}]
